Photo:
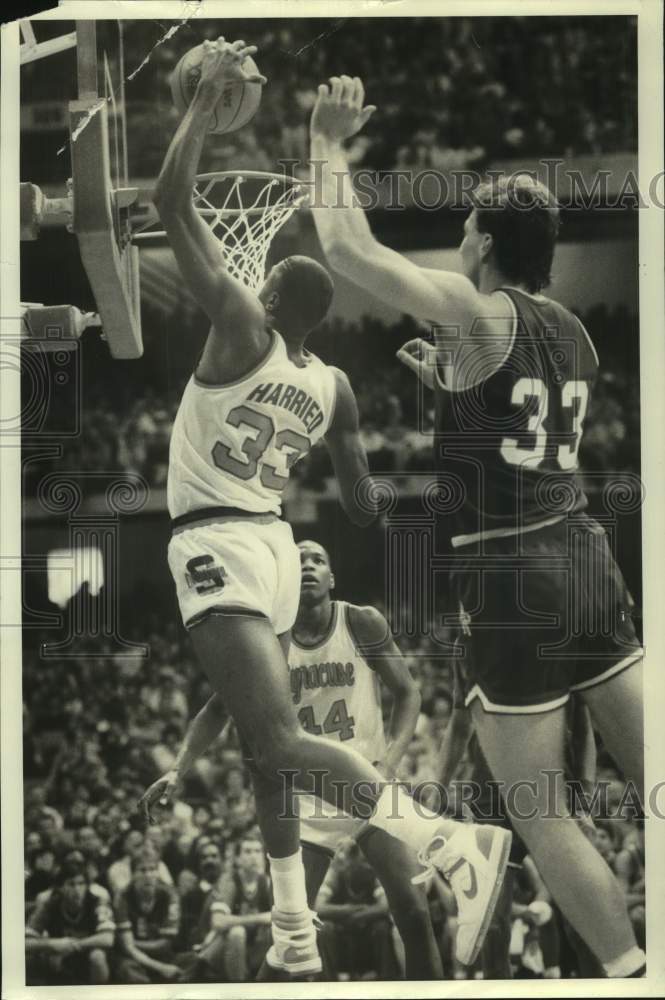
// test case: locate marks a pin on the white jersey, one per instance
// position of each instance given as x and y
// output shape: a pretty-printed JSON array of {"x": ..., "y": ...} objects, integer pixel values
[
  {"x": 336, "y": 693},
  {"x": 233, "y": 445}
]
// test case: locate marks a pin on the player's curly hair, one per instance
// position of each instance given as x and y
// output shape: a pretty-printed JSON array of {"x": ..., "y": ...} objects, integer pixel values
[{"x": 522, "y": 217}]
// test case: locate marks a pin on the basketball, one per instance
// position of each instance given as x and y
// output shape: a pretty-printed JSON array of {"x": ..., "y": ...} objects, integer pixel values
[{"x": 237, "y": 105}]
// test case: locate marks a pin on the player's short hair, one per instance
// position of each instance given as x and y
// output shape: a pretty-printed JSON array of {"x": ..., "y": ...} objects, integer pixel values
[
  {"x": 310, "y": 541},
  {"x": 522, "y": 216},
  {"x": 305, "y": 293}
]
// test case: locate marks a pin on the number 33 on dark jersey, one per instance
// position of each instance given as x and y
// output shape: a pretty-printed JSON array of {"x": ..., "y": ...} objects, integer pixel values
[{"x": 506, "y": 445}]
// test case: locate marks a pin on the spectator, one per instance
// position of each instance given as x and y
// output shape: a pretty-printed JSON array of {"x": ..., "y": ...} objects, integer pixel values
[
  {"x": 356, "y": 939},
  {"x": 204, "y": 952},
  {"x": 120, "y": 872},
  {"x": 147, "y": 914},
  {"x": 69, "y": 934},
  {"x": 41, "y": 873},
  {"x": 240, "y": 914}
]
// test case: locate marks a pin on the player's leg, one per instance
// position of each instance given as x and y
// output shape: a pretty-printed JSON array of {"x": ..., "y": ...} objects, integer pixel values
[
  {"x": 395, "y": 866},
  {"x": 609, "y": 672},
  {"x": 245, "y": 664},
  {"x": 276, "y": 813},
  {"x": 239, "y": 651},
  {"x": 617, "y": 710},
  {"x": 317, "y": 862},
  {"x": 251, "y": 676},
  {"x": 574, "y": 872}
]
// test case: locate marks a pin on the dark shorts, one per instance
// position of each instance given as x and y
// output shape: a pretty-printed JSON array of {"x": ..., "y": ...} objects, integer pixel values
[{"x": 542, "y": 614}]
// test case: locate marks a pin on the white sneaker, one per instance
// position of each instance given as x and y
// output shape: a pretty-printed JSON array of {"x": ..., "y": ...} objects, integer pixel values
[
  {"x": 474, "y": 862},
  {"x": 294, "y": 948}
]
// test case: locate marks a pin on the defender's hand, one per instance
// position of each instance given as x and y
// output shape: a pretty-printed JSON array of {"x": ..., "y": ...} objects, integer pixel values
[
  {"x": 161, "y": 791},
  {"x": 223, "y": 61},
  {"x": 339, "y": 113},
  {"x": 415, "y": 354}
]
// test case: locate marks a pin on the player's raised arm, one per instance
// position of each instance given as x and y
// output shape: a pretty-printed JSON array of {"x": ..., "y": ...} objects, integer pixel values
[
  {"x": 348, "y": 454},
  {"x": 344, "y": 231},
  {"x": 231, "y": 307},
  {"x": 379, "y": 649}
]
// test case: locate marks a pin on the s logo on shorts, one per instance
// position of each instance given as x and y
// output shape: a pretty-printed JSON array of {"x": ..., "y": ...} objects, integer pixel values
[{"x": 204, "y": 575}]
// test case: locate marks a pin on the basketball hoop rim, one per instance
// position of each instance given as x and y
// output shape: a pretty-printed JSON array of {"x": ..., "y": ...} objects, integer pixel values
[
  {"x": 250, "y": 175},
  {"x": 261, "y": 175}
]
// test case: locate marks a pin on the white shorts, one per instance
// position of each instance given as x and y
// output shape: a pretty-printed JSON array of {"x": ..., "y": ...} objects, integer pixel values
[
  {"x": 324, "y": 827},
  {"x": 242, "y": 566}
]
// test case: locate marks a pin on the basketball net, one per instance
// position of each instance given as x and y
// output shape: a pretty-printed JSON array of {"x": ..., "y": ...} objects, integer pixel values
[{"x": 245, "y": 221}]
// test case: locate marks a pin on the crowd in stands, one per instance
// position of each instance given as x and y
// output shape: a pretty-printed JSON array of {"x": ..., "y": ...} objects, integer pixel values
[
  {"x": 112, "y": 898},
  {"x": 451, "y": 92}
]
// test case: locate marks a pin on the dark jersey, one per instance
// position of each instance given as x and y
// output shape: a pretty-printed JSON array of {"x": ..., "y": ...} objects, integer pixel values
[
  {"x": 506, "y": 446},
  {"x": 52, "y": 917},
  {"x": 351, "y": 882},
  {"x": 235, "y": 897},
  {"x": 240, "y": 901},
  {"x": 148, "y": 922}
]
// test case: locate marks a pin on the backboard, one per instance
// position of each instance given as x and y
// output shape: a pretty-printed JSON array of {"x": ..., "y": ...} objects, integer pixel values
[{"x": 99, "y": 171}]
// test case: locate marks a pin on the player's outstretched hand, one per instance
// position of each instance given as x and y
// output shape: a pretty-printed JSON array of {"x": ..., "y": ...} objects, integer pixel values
[
  {"x": 414, "y": 354},
  {"x": 222, "y": 61},
  {"x": 160, "y": 792},
  {"x": 339, "y": 113}
]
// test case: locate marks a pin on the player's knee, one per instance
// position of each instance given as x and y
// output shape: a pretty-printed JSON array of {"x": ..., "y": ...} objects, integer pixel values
[
  {"x": 279, "y": 753},
  {"x": 99, "y": 966},
  {"x": 267, "y": 761}
]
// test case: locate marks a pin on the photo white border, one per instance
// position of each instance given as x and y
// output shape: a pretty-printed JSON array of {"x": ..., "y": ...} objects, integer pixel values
[{"x": 652, "y": 343}]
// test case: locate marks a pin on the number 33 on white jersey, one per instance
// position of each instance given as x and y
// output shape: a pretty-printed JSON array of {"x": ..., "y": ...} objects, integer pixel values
[{"x": 233, "y": 445}]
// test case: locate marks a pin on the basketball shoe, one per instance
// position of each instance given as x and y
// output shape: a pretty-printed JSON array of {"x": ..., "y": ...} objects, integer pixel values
[
  {"x": 294, "y": 949},
  {"x": 473, "y": 860}
]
